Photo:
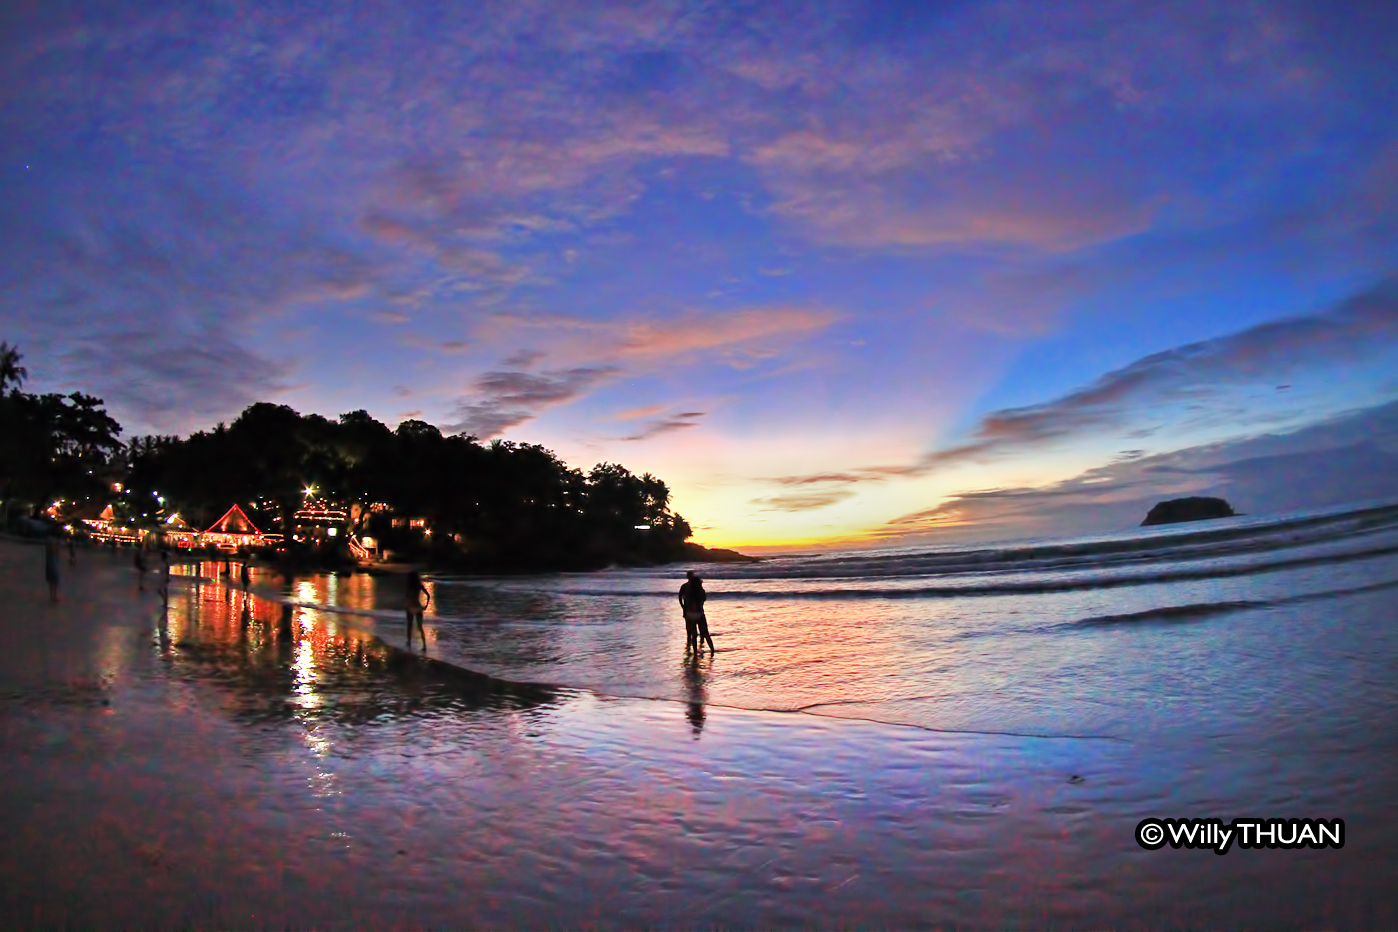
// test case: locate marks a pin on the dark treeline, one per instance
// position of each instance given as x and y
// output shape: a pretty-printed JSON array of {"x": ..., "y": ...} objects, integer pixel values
[
  {"x": 51, "y": 445},
  {"x": 499, "y": 505}
]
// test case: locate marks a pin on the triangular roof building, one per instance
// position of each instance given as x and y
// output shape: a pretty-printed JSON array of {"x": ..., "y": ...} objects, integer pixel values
[{"x": 233, "y": 522}]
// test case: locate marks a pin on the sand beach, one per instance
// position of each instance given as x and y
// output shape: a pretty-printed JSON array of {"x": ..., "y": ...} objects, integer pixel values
[{"x": 237, "y": 762}]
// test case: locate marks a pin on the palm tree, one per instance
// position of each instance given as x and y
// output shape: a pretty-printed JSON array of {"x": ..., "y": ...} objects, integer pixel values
[{"x": 11, "y": 372}]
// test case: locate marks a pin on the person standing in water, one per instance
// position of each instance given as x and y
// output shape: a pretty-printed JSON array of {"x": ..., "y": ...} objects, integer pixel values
[
  {"x": 696, "y": 625},
  {"x": 243, "y": 575},
  {"x": 51, "y": 567},
  {"x": 413, "y": 591},
  {"x": 140, "y": 566}
]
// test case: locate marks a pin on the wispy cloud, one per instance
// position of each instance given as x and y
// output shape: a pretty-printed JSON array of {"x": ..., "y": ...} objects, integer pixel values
[
  {"x": 682, "y": 421},
  {"x": 524, "y": 359},
  {"x": 501, "y": 400},
  {"x": 646, "y": 340},
  {"x": 1344, "y": 459},
  {"x": 1358, "y": 327},
  {"x": 1196, "y": 374},
  {"x": 803, "y": 501},
  {"x": 163, "y": 379},
  {"x": 418, "y": 341}
]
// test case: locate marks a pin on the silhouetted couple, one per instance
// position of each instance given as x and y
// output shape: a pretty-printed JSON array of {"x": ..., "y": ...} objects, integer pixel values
[{"x": 696, "y": 626}]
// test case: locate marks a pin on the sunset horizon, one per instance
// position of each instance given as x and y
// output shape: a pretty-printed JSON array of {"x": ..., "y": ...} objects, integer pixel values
[{"x": 823, "y": 269}]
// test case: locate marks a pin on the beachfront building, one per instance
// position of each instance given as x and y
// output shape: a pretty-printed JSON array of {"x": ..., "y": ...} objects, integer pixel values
[
  {"x": 326, "y": 523},
  {"x": 108, "y": 528},
  {"x": 235, "y": 531},
  {"x": 319, "y": 521},
  {"x": 175, "y": 531}
]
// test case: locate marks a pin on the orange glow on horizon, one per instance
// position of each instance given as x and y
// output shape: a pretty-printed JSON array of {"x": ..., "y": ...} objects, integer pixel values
[{"x": 865, "y": 538}]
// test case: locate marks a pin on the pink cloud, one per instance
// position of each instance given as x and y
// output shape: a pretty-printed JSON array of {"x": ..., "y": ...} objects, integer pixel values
[{"x": 641, "y": 341}]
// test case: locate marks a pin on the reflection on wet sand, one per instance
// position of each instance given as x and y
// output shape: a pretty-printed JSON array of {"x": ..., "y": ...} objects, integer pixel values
[
  {"x": 278, "y": 660},
  {"x": 238, "y": 763},
  {"x": 696, "y": 684}
]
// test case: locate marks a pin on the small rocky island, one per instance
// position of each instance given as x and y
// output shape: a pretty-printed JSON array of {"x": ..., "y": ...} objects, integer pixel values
[{"x": 1199, "y": 508}]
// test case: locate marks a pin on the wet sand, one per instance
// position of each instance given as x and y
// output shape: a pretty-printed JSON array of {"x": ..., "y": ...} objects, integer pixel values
[{"x": 231, "y": 763}]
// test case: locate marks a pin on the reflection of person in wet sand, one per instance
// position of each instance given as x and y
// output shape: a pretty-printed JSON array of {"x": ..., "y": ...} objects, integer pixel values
[
  {"x": 141, "y": 567},
  {"x": 165, "y": 576},
  {"x": 696, "y": 625},
  {"x": 694, "y": 681},
  {"x": 51, "y": 567},
  {"x": 413, "y": 593}
]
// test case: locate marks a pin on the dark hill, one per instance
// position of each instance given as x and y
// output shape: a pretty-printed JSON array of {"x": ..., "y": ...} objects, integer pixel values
[{"x": 1188, "y": 509}]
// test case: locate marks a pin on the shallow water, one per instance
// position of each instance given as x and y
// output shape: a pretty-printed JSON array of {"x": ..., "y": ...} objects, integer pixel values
[
  {"x": 244, "y": 761},
  {"x": 1169, "y": 632}
]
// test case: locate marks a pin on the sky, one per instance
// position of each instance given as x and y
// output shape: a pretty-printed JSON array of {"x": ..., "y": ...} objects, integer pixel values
[{"x": 842, "y": 274}]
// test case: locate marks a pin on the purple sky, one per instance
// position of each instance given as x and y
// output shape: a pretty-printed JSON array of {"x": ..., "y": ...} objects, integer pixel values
[{"x": 834, "y": 271}]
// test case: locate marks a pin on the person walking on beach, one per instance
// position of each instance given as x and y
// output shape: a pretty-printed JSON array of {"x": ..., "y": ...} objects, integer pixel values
[
  {"x": 51, "y": 567},
  {"x": 696, "y": 625},
  {"x": 141, "y": 567},
  {"x": 413, "y": 591}
]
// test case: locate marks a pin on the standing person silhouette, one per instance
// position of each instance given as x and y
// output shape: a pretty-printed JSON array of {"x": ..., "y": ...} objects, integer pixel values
[
  {"x": 140, "y": 566},
  {"x": 51, "y": 567},
  {"x": 413, "y": 590},
  {"x": 696, "y": 625},
  {"x": 72, "y": 552},
  {"x": 244, "y": 576}
]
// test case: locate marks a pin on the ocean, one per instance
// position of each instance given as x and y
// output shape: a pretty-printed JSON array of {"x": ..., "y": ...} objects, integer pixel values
[{"x": 1174, "y": 630}]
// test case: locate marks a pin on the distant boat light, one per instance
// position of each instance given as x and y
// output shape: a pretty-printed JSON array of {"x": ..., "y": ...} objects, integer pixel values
[{"x": 642, "y": 527}]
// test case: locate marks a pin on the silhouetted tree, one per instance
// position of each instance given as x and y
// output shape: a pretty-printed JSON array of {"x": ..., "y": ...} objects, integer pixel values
[
  {"x": 55, "y": 446},
  {"x": 503, "y": 505},
  {"x": 11, "y": 372}
]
